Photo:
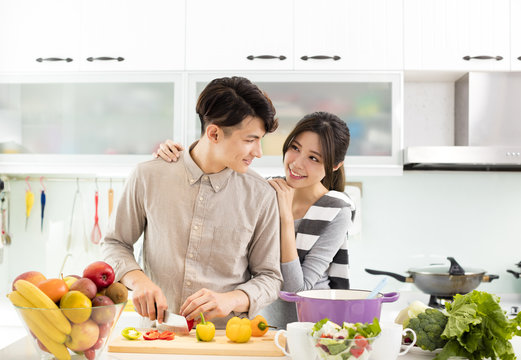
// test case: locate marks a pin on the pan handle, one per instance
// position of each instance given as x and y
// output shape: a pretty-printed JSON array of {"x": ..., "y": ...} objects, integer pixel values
[
  {"x": 396, "y": 276},
  {"x": 390, "y": 297},
  {"x": 489, "y": 278},
  {"x": 515, "y": 273}
]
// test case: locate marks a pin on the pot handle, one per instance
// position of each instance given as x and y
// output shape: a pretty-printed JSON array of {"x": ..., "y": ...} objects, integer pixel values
[
  {"x": 489, "y": 278},
  {"x": 515, "y": 273},
  {"x": 289, "y": 296},
  {"x": 390, "y": 297},
  {"x": 380, "y": 272}
]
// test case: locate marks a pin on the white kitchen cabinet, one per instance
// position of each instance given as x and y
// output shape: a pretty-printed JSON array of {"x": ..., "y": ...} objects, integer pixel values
[
  {"x": 515, "y": 39},
  {"x": 370, "y": 103},
  {"x": 239, "y": 35},
  {"x": 62, "y": 35},
  {"x": 457, "y": 35},
  {"x": 349, "y": 35}
]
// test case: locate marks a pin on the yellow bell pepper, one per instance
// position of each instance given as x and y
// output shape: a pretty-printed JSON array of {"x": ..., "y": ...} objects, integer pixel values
[
  {"x": 205, "y": 330},
  {"x": 238, "y": 330}
]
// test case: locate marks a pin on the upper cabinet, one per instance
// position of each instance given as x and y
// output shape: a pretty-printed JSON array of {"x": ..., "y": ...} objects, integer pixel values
[
  {"x": 457, "y": 35},
  {"x": 349, "y": 35},
  {"x": 300, "y": 35},
  {"x": 515, "y": 39},
  {"x": 119, "y": 35},
  {"x": 239, "y": 35}
]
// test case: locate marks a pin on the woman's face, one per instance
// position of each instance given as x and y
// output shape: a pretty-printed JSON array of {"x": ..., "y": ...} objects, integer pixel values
[{"x": 303, "y": 162}]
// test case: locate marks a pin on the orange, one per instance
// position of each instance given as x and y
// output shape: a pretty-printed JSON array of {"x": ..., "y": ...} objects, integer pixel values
[{"x": 54, "y": 288}]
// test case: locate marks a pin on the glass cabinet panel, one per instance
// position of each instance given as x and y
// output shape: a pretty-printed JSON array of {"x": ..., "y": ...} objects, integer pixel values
[
  {"x": 370, "y": 104},
  {"x": 85, "y": 118}
]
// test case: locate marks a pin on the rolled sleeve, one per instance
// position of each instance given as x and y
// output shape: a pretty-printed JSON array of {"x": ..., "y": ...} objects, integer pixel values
[{"x": 264, "y": 259}]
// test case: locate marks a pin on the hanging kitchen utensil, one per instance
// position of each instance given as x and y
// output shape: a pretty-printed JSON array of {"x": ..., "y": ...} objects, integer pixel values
[
  {"x": 29, "y": 201},
  {"x": 111, "y": 198},
  {"x": 4, "y": 210},
  {"x": 42, "y": 202},
  {"x": 439, "y": 281},
  {"x": 95, "y": 235},
  {"x": 77, "y": 202}
]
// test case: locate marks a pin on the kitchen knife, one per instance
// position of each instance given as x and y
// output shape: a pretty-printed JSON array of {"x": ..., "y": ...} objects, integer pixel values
[{"x": 173, "y": 322}]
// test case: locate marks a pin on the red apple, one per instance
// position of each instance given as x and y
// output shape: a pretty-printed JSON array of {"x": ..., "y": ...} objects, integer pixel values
[
  {"x": 103, "y": 310},
  {"x": 98, "y": 343},
  {"x": 90, "y": 354},
  {"x": 101, "y": 273},
  {"x": 86, "y": 286},
  {"x": 34, "y": 277},
  {"x": 104, "y": 329},
  {"x": 83, "y": 336}
]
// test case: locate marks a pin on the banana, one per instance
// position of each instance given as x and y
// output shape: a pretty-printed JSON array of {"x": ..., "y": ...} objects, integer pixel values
[
  {"x": 39, "y": 300},
  {"x": 37, "y": 317},
  {"x": 58, "y": 350}
]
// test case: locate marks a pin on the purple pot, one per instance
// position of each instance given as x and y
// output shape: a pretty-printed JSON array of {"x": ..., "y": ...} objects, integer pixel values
[{"x": 338, "y": 305}]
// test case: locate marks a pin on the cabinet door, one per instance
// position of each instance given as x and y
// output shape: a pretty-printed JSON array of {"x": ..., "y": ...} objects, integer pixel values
[
  {"x": 133, "y": 35},
  {"x": 456, "y": 35},
  {"x": 239, "y": 34},
  {"x": 515, "y": 35},
  {"x": 352, "y": 34},
  {"x": 39, "y": 35}
]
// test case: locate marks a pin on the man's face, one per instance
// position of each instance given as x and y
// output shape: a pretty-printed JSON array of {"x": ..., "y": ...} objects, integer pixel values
[{"x": 239, "y": 147}]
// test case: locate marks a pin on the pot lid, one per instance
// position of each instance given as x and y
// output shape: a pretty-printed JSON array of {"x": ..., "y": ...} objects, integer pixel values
[{"x": 453, "y": 269}]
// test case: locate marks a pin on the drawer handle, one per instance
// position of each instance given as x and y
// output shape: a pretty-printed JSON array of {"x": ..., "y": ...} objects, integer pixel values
[
  {"x": 105, "y": 58},
  {"x": 483, "y": 57},
  {"x": 53, "y": 59},
  {"x": 266, "y": 57},
  {"x": 519, "y": 58},
  {"x": 320, "y": 57}
]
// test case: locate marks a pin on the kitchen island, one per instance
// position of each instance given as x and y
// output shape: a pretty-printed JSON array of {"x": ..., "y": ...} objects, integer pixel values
[{"x": 22, "y": 348}]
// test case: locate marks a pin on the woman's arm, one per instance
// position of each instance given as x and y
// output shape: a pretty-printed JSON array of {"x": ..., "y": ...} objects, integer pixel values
[
  {"x": 285, "y": 193},
  {"x": 169, "y": 151}
]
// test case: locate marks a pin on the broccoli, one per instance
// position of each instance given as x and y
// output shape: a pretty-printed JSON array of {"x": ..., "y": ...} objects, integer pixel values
[{"x": 428, "y": 326}]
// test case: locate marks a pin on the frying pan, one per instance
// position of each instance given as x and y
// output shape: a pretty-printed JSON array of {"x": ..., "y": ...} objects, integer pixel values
[{"x": 440, "y": 280}]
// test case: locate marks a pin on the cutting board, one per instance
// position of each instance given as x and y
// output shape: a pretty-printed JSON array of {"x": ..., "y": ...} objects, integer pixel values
[{"x": 220, "y": 345}]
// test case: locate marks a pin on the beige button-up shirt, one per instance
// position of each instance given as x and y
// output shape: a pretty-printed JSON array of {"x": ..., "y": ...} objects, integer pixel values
[{"x": 216, "y": 231}]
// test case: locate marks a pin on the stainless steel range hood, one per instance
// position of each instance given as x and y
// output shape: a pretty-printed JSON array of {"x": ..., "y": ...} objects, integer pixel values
[{"x": 487, "y": 127}]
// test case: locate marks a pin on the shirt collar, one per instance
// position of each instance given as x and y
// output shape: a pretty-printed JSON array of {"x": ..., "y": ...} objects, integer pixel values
[{"x": 194, "y": 172}]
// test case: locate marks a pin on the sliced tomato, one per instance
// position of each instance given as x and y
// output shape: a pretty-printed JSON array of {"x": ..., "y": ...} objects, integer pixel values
[
  {"x": 361, "y": 341},
  {"x": 167, "y": 335},
  {"x": 356, "y": 351}
]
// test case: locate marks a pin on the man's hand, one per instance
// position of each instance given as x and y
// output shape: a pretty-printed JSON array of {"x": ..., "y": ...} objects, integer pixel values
[
  {"x": 147, "y": 297},
  {"x": 169, "y": 151},
  {"x": 214, "y": 304}
]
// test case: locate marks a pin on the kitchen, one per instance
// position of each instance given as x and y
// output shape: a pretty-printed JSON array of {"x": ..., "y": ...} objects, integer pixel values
[{"x": 418, "y": 217}]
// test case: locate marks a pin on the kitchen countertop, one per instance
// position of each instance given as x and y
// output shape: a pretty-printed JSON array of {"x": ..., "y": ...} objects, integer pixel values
[{"x": 16, "y": 345}]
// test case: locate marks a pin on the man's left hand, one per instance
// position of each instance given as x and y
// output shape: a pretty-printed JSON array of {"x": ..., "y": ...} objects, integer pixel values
[{"x": 214, "y": 304}]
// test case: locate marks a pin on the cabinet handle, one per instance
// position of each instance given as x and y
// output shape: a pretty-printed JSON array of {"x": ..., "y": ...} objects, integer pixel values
[
  {"x": 105, "y": 58},
  {"x": 320, "y": 57},
  {"x": 251, "y": 57},
  {"x": 519, "y": 58},
  {"x": 483, "y": 57},
  {"x": 53, "y": 59}
]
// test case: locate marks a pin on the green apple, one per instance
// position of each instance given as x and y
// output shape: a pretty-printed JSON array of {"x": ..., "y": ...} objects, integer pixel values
[{"x": 69, "y": 280}]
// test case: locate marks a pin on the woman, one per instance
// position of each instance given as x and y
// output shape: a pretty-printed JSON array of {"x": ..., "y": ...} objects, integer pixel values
[{"x": 315, "y": 213}]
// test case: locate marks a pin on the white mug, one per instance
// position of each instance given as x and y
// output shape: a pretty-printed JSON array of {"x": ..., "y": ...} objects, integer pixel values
[
  {"x": 298, "y": 340},
  {"x": 387, "y": 345}
]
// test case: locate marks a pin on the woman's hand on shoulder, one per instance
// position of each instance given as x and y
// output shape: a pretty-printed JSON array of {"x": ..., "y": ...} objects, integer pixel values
[
  {"x": 169, "y": 151},
  {"x": 285, "y": 195}
]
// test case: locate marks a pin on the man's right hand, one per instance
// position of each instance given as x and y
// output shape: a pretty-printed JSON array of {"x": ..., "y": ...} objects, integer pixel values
[{"x": 147, "y": 297}]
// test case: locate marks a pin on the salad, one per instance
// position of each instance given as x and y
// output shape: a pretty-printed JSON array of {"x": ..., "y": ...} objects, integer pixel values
[{"x": 347, "y": 342}]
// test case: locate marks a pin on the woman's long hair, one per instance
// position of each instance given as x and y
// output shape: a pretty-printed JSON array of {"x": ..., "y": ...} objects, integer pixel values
[{"x": 334, "y": 138}]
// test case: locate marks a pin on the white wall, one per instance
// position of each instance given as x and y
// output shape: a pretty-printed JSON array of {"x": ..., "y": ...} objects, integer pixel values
[{"x": 411, "y": 220}]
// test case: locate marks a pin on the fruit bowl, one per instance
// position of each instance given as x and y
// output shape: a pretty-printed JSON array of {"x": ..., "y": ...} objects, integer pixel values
[
  {"x": 348, "y": 349},
  {"x": 78, "y": 333}
]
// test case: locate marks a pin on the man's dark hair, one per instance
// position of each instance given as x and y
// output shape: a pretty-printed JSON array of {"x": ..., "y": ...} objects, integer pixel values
[{"x": 227, "y": 101}]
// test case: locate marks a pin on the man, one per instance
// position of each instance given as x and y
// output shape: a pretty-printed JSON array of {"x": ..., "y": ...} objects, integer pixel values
[{"x": 211, "y": 228}]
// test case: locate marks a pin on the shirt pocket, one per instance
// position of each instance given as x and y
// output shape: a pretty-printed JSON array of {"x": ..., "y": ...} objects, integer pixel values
[{"x": 230, "y": 250}]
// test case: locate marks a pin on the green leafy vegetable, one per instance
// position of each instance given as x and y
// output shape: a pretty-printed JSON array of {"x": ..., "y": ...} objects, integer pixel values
[
  {"x": 477, "y": 328},
  {"x": 319, "y": 324}
]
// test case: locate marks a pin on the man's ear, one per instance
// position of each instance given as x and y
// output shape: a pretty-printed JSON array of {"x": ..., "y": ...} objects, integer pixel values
[
  {"x": 335, "y": 168},
  {"x": 213, "y": 133}
]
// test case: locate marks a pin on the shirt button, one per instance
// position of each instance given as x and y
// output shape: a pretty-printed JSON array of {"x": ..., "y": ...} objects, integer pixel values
[
  {"x": 196, "y": 227},
  {"x": 205, "y": 177},
  {"x": 201, "y": 198},
  {"x": 191, "y": 256},
  {"x": 192, "y": 181},
  {"x": 217, "y": 187},
  {"x": 188, "y": 283}
]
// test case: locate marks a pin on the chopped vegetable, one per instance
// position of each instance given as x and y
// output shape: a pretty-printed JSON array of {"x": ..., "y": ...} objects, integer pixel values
[
  {"x": 167, "y": 335},
  {"x": 259, "y": 326},
  {"x": 205, "y": 330},
  {"x": 238, "y": 330},
  {"x": 428, "y": 326},
  {"x": 151, "y": 335},
  {"x": 157, "y": 335},
  {"x": 130, "y": 333}
]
